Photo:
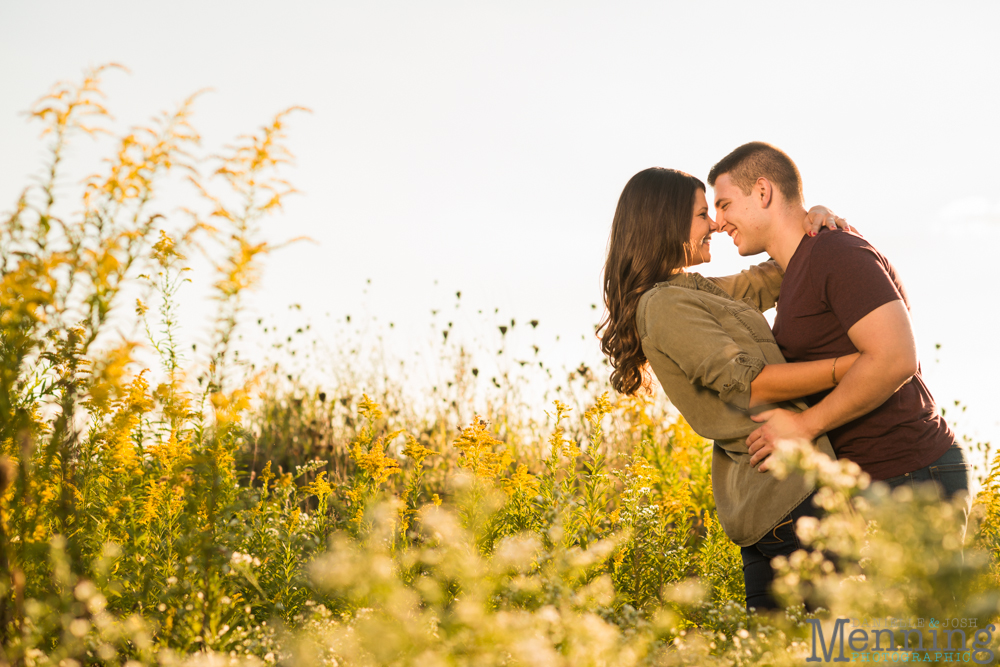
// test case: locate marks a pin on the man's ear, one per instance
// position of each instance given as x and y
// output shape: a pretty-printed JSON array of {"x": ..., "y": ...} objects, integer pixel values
[{"x": 763, "y": 192}]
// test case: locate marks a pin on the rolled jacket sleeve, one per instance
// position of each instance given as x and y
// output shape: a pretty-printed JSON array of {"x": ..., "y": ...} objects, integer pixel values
[
  {"x": 740, "y": 372},
  {"x": 683, "y": 329}
]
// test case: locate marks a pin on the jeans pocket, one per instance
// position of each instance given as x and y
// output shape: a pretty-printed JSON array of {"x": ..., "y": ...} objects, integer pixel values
[
  {"x": 953, "y": 477},
  {"x": 782, "y": 540}
]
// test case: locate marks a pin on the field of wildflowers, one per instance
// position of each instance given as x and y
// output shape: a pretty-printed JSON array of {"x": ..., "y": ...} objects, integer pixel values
[{"x": 204, "y": 512}]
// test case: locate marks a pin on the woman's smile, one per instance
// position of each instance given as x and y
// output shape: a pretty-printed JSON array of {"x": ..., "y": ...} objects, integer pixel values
[{"x": 702, "y": 228}]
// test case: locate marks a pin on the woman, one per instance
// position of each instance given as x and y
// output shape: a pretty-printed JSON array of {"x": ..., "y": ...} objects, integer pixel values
[{"x": 713, "y": 353}]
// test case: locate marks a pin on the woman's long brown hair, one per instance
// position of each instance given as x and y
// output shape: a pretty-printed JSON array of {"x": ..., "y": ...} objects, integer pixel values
[{"x": 649, "y": 236}]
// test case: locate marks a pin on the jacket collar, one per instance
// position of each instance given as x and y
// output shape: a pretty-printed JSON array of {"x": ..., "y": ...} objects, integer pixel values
[{"x": 696, "y": 281}]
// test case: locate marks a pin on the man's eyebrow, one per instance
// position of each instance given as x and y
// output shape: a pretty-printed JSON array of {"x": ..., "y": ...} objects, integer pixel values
[{"x": 718, "y": 202}]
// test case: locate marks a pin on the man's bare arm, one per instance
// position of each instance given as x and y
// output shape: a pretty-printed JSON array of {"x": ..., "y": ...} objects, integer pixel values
[{"x": 884, "y": 337}]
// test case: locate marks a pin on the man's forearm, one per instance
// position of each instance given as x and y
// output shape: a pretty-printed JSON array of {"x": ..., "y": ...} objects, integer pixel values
[{"x": 868, "y": 384}]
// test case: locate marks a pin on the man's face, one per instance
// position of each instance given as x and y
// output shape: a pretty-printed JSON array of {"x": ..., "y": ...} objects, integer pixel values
[{"x": 739, "y": 216}]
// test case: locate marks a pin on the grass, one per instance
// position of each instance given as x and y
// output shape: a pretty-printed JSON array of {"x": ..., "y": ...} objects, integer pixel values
[{"x": 205, "y": 512}]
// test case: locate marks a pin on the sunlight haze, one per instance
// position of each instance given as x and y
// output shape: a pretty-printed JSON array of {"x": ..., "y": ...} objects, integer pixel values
[{"x": 484, "y": 145}]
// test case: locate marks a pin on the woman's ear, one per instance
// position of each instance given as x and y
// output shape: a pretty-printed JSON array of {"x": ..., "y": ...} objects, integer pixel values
[{"x": 763, "y": 192}]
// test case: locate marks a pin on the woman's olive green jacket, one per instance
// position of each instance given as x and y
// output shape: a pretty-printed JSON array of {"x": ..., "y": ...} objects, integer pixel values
[{"x": 706, "y": 340}]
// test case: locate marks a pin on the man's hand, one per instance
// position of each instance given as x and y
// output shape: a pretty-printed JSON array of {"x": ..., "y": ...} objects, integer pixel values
[{"x": 778, "y": 425}]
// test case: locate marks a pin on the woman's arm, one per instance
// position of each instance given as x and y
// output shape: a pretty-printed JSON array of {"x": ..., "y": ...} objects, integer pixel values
[
  {"x": 784, "y": 382},
  {"x": 680, "y": 326},
  {"x": 759, "y": 285}
]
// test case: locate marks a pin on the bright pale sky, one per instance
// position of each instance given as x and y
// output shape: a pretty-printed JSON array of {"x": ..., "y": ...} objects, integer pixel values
[{"x": 484, "y": 145}]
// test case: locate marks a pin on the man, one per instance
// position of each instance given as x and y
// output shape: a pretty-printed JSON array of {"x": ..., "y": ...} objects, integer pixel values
[{"x": 840, "y": 295}]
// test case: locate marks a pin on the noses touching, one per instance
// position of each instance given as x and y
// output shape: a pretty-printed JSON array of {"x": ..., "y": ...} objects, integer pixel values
[{"x": 720, "y": 224}]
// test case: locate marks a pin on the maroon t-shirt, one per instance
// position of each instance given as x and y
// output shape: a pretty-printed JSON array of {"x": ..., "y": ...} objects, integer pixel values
[{"x": 833, "y": 280}]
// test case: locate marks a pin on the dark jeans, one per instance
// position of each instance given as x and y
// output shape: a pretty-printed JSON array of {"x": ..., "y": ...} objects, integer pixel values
[
  {"x": 950, "y": 473},
  {"x": 781, "y": 541}
]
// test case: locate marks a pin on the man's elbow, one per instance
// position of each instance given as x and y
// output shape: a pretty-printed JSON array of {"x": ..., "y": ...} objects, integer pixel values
[
  {"x": 905, "y": 366},
  {"x": 891, "y": 368}
]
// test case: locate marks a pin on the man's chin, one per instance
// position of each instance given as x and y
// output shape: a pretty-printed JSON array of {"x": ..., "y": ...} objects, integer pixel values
[{"x": 742, "y": 247}]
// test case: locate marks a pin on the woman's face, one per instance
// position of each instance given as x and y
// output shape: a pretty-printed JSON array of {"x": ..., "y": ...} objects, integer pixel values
[{"x": 702, "y": 228}]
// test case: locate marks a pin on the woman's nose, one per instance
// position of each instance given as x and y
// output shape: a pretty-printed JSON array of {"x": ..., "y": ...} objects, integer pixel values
[{"x": 714, "y": 226}]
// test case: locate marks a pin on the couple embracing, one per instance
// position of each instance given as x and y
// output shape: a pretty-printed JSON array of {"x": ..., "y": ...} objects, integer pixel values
[{"x": 839, "y": 368}]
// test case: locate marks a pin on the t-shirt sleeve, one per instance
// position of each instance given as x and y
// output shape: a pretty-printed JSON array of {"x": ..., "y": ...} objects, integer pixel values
[
  {"x": 852, "y": 277},
  {"x": 684, "y": 330}
]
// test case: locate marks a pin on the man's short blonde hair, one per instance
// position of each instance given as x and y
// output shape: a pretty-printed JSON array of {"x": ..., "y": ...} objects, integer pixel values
[{"x": 751, "y": 161}]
